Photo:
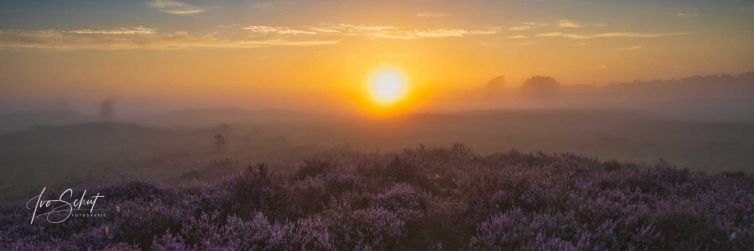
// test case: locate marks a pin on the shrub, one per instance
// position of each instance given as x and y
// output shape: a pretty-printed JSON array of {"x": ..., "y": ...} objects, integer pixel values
[
  {"x": 438, "y": 198},
  {"x": 367, "y": 229}
]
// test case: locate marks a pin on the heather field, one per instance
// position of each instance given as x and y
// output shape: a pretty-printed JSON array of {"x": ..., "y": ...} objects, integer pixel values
[{"x": 418, "y": 199}]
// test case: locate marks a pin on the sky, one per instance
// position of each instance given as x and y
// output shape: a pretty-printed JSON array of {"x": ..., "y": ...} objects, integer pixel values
[{"x": 322, "y": 51}]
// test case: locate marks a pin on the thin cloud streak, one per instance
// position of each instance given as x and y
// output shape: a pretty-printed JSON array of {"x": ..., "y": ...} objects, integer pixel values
[
  {"x": 565, "y": 23},
  {"x": 688, "y": 13},
  {"x": 610, "y": 35},
  {"x": 140, "y": 37},
  {"x": 70, "y": 40},
  {"x": 371, "y": 31},
  {"x": 118, "y": 31},
  {"x": 526, "y": 26},
  {"x": 261, "y": 36},
  {"x": 431, "y": 33},
  {"x": 432, "y": 14},
  {"x": 278, "y": 30},
  {"x": 175, "y": 7}
]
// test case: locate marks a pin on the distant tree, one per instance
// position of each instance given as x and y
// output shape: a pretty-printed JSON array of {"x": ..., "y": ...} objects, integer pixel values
[
  {"x": 541, "y": 87},
  {"x": 495, "y": 86},
  {"x": 107, "y": 109},
  {"x": 219, "y": 142}
]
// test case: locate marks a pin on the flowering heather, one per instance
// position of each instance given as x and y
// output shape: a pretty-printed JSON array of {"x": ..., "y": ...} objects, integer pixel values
[{"x": 424, "y": 198}]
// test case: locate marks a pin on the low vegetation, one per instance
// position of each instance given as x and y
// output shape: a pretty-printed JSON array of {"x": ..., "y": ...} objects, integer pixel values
[{"x": 418, "y": 199}]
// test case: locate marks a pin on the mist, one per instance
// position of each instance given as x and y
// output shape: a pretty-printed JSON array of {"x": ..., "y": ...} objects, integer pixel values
[{"x": 699, "y": 122}]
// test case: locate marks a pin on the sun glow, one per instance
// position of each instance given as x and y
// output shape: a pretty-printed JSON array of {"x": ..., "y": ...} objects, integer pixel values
[{"x": 387, "y": 85}]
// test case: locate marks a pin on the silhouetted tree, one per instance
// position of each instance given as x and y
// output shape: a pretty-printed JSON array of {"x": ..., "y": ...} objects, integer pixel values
[
  {"x": 107, "y": 109},
  {"x": 541, "y": 87},
  {"x": 495, "y": 86},
  {"x": 219, "y": 142}
]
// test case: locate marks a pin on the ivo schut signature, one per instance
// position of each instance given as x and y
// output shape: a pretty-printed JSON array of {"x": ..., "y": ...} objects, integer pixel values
[{"x": 60, "y": 209}]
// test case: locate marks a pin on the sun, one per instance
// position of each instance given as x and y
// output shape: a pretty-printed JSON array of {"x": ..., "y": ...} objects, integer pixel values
[{"x": 387, "y": 85}]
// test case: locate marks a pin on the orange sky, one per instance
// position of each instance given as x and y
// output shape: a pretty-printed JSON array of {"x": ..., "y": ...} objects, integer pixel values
[{"x": 320, "y": 52}]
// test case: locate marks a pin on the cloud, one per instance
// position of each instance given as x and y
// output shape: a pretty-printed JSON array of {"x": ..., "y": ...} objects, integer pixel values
[
  {"x": 688, "y": 13},
  {"x": 370, "y": 31},
  {"x": 518, "y": 37},
  {"x": 487, "y": 31},
  {"x": 175, "y": 7},
  {"x": 631, "y": 48},
  {"x": 610, "y": 35},
  {"x": 325, "y": 30},
  {"x": 278, "y": 42},
  {"x": 140, "y": 37},
  {"x": 431, "y": 33},
  {"x": 520, "y": 28},
  {"x": 345, "y": 29},
  {"x": 441, "y": 33},
  {"x": 277, "y": 30},
  {"x": 374, "y": 31},
  {"x": 328, "y": 29},
  {"x": 395, "y": 35},
  {"x": 432, "y": 14},
  {"x": 71, "y": 40},
  {"x": 360, "y": 28},
  {"x": 526, "y": 26},
  {"x": 118, "y": 31},
  {"x": 565, "y": 23}
]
